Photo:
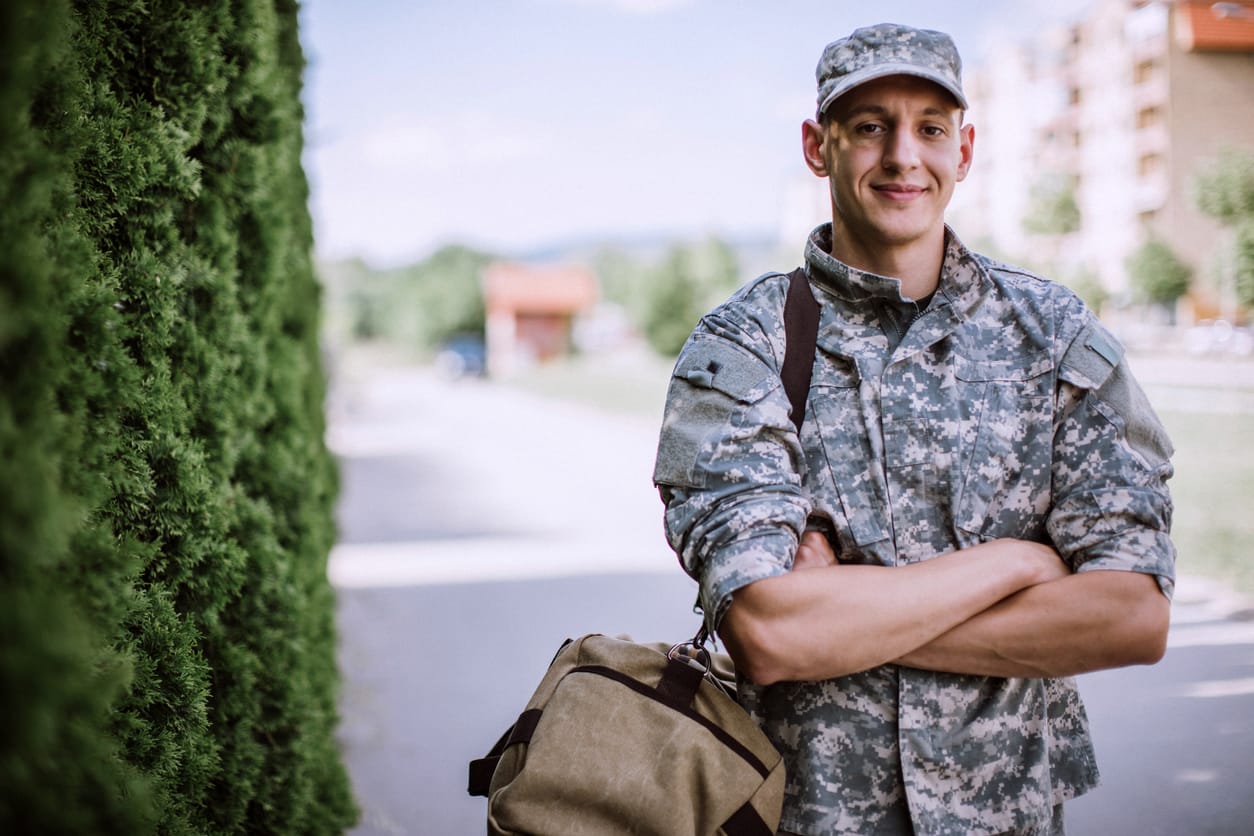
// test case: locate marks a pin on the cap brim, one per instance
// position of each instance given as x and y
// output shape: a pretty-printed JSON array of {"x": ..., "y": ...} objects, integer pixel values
[{"x": 861, "y": 77}]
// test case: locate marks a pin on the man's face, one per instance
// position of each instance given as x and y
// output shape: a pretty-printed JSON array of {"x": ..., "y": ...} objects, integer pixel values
[{"x": 893, "y": 149}]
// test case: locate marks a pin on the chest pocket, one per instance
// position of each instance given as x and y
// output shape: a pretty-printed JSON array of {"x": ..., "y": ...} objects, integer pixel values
[
  {"x": 1007, "y": 430},
  {"x": 842, "y": 482}
]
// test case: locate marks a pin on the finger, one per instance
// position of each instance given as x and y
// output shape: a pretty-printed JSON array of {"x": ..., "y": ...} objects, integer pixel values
[{"x": 818, "y": 541}]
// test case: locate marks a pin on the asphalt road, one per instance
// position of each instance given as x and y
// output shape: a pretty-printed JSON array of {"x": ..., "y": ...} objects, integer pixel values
[{"x": 480, "y": 527}]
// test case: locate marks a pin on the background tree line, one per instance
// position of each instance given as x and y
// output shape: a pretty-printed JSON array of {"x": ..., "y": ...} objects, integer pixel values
[
  {"x": 418, "y": 307},
  {"x": 166, "y": 624}
]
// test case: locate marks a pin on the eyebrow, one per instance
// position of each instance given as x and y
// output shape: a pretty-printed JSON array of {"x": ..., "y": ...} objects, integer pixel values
[{"x": 880, "y": 110}]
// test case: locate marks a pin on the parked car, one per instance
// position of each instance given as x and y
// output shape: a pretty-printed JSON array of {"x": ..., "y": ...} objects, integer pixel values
[
  {"x": 1218, "y": 336},
  {"x": 462, "y": 356}
]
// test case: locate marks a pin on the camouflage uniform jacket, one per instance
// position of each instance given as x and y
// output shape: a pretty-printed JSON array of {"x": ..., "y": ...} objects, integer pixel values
[{"x": 1005, "y": 410}]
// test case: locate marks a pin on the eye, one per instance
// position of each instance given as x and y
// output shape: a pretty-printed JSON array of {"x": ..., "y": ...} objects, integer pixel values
[
  {"x": 869, "y": 129},
  {"x": 935, "y": 131}
]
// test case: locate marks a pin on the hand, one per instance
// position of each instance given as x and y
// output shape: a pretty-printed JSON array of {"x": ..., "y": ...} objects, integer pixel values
[
  {"x": 1045, "y": 562},
  {"x": 814, "y": 552}
]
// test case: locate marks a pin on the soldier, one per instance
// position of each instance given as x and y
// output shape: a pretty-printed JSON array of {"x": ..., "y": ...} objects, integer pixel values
[{"x": 973, "y": 511}]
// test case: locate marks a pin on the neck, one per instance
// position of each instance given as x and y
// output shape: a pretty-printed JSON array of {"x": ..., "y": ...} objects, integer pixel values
[{"x": 917, "y": 266}]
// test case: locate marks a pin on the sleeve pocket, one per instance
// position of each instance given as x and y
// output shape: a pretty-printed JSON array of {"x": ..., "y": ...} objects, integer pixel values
[{"x": 713, "y": 364}]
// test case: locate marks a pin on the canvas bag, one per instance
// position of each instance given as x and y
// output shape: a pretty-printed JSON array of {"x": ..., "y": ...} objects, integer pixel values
[{"x": 622, "y": 737}]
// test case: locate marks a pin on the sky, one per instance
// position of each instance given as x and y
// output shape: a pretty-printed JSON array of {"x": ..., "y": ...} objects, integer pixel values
[{"x": 520, "y": 125}]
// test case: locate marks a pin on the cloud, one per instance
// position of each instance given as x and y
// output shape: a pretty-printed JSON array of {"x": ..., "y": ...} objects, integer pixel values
[{"x": 417, "y": 145}]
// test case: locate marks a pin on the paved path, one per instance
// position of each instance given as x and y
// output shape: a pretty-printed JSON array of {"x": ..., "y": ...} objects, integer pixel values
[{"x": 481, "y": 526}]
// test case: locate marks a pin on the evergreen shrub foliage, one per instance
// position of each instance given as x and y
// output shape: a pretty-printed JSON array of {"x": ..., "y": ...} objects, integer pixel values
[{"x": 166, "y": 623}]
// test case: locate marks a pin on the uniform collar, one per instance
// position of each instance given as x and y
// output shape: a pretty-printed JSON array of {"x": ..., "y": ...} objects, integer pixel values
[{"x": 964, "y": 280}]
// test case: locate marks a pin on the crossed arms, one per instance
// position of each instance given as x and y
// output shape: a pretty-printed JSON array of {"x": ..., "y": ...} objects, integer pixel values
[{"x": 1002, "y": 608}]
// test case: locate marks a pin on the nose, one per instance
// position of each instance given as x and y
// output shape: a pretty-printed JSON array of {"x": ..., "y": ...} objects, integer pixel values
[{"x": 901, "y": 151}]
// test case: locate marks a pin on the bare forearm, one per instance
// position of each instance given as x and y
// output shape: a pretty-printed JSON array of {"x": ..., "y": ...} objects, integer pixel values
[
  {"x": 829, "y": 622},
  {"x": 1077, "y": 624}
]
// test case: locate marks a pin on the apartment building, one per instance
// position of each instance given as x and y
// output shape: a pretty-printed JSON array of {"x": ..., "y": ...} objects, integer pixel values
[{"x": 1119, "y": 110}]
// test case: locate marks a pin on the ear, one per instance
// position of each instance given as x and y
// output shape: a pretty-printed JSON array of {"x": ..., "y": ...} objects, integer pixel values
[
  {"x": 812, "y": 138},
  {"x": 967, "y": 137}
]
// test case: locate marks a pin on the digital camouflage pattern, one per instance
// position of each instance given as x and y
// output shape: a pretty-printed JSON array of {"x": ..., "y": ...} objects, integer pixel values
[
  {"x": 1006, "y": 410},
  {"x": 888, "y": 49}
]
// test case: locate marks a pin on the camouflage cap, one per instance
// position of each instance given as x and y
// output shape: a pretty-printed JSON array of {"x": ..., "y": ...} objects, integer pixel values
[{"x": 888, "y": 49}]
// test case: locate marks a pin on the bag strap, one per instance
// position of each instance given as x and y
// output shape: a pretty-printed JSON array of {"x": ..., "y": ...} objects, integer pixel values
[
  {"x": 801, "y": 332},
  {"x": 746, "y": 822},
  {"x": 481, "y": 769}
]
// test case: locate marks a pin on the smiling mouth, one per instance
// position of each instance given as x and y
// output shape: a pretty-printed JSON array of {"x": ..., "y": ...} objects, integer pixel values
[{"x": 899, "y": 191}]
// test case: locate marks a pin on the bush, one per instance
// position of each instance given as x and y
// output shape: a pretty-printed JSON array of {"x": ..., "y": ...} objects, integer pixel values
[
  {"x": 167, "y": 623},
  {"x": 1158, "y": 275}
]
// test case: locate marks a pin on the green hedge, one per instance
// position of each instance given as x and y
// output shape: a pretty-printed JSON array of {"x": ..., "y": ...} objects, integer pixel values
[{"x": 166, "y": 626}]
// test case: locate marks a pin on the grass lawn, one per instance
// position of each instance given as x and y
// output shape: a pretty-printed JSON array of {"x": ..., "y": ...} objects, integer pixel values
[
  {"x": 1214, "y": 494},
  {"x": 633, "y": 382},
  {"x": 1213, "y": 487}
]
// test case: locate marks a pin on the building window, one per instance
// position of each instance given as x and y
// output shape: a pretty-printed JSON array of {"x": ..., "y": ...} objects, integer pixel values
[
  {"x": 1149, "y": 165},
  {"x": 1145, "y": 71},
  {"x": 1148, "y": 117}
]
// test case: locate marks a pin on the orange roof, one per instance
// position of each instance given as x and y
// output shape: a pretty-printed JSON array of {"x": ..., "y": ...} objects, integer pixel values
[
  {"x": 1215, "y": 27},
  {"x": 528, "y": 289}
]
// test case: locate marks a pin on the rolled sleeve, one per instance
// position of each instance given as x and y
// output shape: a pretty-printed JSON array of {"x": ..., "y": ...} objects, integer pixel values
[
  {"x": 739, "y": 564},
  {"x": 1112, "y": 461},
  {"x": 728, "y": 466}
]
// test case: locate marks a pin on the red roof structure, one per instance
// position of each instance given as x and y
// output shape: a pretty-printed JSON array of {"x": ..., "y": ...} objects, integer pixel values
[
  {"x": 538, "y": 290},
  {"x": 1215, "y": 27}
]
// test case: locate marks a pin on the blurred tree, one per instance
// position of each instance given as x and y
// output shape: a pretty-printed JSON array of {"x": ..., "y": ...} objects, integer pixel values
[
  {"x": 1088, "y": 286},
  {"x": 340, "y": 281},
  {"x": 369, "y": 311},
  {"x": 1225, "y": 191},
  {"x": 1052, "y": 206},
  {"x": 416, "y": 307},
  {"x": 691, "y": 280},
  {"x": 1158, "y": 275},
  {"x": 1243, "y": 263},
  {"x": 620, "y": 276},
  {"x": 445, "y": 292}
]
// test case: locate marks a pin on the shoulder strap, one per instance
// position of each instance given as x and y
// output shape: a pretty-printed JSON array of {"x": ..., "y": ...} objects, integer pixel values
[{"x": 801, "y": 332}]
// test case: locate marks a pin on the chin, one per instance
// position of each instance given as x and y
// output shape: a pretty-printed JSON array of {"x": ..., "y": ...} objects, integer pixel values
[
  {"x": 894, "y": 229},
  {"x": 901, "y": 236}
]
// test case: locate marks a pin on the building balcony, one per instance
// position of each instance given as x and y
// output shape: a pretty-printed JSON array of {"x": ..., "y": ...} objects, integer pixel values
[
  {"x": 1151, "y": 48},
  {"x": 1150, "y": 193},
  {"x": 1152, "y": 139},
  {"x": 1153, "y": 91}
]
